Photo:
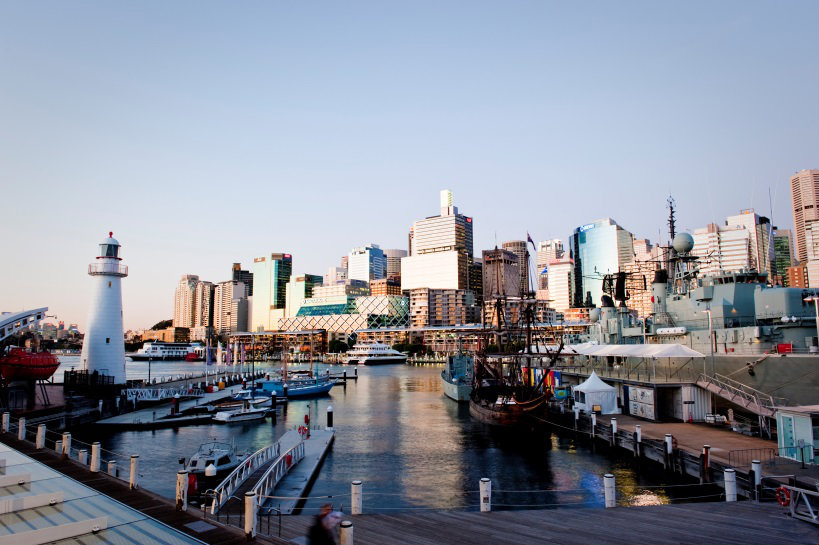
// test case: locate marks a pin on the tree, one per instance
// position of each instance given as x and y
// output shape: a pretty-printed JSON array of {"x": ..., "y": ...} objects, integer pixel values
[
  {"x": 335, "y": 346},
  {"x": 164, "y": 324}
]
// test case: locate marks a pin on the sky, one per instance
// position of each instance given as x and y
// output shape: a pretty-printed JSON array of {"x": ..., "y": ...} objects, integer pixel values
[{"x": 206, "y": 133}]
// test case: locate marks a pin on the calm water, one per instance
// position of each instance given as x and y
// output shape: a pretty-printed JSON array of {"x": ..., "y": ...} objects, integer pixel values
[{"x": 412, "y": 447}]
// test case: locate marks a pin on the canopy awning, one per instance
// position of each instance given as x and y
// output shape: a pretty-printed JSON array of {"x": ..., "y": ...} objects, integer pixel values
[
  {"x": 636, "y": 350},
  {"x": 593, "y": 384}
]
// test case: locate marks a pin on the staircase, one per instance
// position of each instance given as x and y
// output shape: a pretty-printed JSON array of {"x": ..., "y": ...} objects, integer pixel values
[{"x": 757, "y": 402}]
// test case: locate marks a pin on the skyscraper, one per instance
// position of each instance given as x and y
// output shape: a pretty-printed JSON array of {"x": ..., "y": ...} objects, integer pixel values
[
  {"x": 519, "y": 248},
  {"x": 598, "y": 248},
  {"x": 240, "y": 275},
  {"x": 298, "y": 289},
  {"x": 203, "y": 304},
  {"x": 230, "y": 307},
  {"x": 394, "y": 262},
  {"x": 547, "y": 250},
  {"x": 759, "y": 237},
  {"x": 440, "y": 250},
  {"x": 184, "y": 305},
  {"x": 783, "y": 255},
  {"x": 805, "y": 201},
  {"x": 366, "y": 263},
  {"x": 270, "y": 276},
  {"x": 501, "y": 274},
  {"x": 722, "y": 248},
  {"x": 561, "y": 283}
]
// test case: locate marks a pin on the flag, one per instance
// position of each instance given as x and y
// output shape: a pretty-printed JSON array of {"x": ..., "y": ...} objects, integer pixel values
[{"x": 529, "y": 239}]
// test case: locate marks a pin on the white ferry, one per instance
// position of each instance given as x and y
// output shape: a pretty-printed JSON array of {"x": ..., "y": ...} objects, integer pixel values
[
  {"x": 157, "y": 350},
  {"x": 373, "y": 354}
]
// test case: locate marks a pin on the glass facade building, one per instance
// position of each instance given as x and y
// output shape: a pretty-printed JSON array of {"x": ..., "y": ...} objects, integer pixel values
[
  {"x": 366, "y": 263},
  {"x": 270, "y": 276},
  {"x": 598, "y": 248}
]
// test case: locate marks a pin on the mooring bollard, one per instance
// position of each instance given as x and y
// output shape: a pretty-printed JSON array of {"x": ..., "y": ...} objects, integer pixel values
[
  {"x": 95, "y": 457},
  {"x": 345, "y": 534},
  {"x": 576, "y": 415},
  {"x": 21, "y": 428},
  {"x": 357, "y": 501},
  {"x": 613, "y": 430},
  {"x": 329, "y": 417},
  {"x": 82, "y": 456},
  {"x": 730, "y": 485},
  {"x": 58, "y": 445},
  {"x": 40, "y": 442},
  {"x": 112, "y": 468},
  {"x": 486, "y": 495},
  {"x": 594, "y": 423},
  {"x": 284, "y": 390},
  {"x": 667, "y": 451},
  {"x": 182, "y": 490},
  {"x": 133, "y": 482},
  {"x": 706, "y": 464},
  {"x": 250, "y": 515},
  {"x": 756, "y": 471},
  {"x": 99, "y": 407},
  {"x": 609, "y": 490},
  {"x": 6, "y": 420},
  {"x": 66, "y": 450}
]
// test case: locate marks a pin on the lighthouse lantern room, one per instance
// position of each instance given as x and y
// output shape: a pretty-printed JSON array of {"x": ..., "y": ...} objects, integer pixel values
[{"x": 103, "y": 348}]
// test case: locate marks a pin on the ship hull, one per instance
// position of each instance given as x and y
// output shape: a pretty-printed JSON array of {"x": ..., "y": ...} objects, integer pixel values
[
  {"x": 456, "y": 391},
  {"x": 504, "y": 414}
]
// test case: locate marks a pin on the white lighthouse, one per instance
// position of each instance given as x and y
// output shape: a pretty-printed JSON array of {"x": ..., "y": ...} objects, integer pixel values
[{"x": 103, "y": 348}]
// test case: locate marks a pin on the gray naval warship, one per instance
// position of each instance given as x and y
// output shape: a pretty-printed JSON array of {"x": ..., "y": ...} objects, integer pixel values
[{"x": 762, "y": 336}]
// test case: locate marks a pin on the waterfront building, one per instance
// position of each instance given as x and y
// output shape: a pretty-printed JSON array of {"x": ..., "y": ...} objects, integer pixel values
[
  {"x": 513, "y": 313},
  {"x": 797, "y": 276},
  {"x": 547, "y": 250},
  {"x": 722, "y": 248},
  {"x": 441, "y": 250},
  {"x": 341, "y": 315},
  {"x": 335, "y": 275},
  {"x": 640, "y": 276},
  {"x": 759, "y": 237},
  {"x": 202, "y": 333},
  {"x": 203, "y": 304},
  {"x": 439, "y": 307},
  {"x": 168, "y": 335},
  {"x": 598, "y": 248},
  {"x": 385, "y": 286},
  {"x": 783, "y": 255},
  {"x": 394, "y": 257},
  {"x": 366, "y": 263},
  {"x": 230, "y": 307},
  {"x": 805, "y": 202},
  {"x": 476, "y": 280},
  {"x": 520, "y": 249},
  {"x": 270, "y": 276},
  {"x": 560, "y": 279},
  {"x": 298, "y": 289},
  {"x": 501, "y": 274},
  {"x": 184, "y": 306},
  {"x": 103, "y": 347},
  {"x": 241, "y": 275}
]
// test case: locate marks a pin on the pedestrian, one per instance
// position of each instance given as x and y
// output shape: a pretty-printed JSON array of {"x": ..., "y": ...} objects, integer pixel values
[{"x": 320, "y": 533}]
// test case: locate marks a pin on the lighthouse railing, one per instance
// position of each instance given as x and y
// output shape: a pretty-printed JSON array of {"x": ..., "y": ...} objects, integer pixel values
[{"x": 108, "y": 268}]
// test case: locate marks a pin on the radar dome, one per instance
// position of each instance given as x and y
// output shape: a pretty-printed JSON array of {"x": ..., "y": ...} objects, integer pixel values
[
  {"x": 594, "y": 315},
  {"x": 683, "y": 243}
]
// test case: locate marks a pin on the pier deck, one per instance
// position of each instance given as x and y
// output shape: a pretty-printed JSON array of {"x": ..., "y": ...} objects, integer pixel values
[
  {"x": 737, "y": 523},
  {"x": 300, "y": 477}
]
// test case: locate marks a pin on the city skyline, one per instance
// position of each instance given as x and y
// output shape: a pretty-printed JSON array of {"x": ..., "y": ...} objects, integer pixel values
[{"x": 603, "y": 114}]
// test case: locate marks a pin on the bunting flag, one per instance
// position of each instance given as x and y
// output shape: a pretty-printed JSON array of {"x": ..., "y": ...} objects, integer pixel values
[
  {"x": 243, "y": 354},
  {"x": 532, "y": 242},
  {"x": 208, "y": 358}
]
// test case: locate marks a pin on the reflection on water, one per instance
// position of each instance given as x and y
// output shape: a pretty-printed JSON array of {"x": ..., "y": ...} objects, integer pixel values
[{"x": 413, "y": 448}]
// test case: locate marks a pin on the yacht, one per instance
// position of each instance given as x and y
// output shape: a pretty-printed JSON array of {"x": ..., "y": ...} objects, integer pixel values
[
  {"x": 157, "y": 350},
  {"x": 243, "y": 414},
  {"x": 373, "y": 354},
  {"x": 221, "y": 455}
]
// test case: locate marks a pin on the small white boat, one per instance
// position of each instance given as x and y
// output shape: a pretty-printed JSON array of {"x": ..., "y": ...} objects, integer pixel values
[
  {"x": 373, "y": 354},
  {"x": 244, "y": 414},
  {"x": 221, "y": 455}
]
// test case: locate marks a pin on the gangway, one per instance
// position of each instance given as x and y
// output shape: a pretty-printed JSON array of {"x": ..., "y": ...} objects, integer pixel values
[
  {"x": 761, "y": 404},
  {"x": 256, "y": 463}
]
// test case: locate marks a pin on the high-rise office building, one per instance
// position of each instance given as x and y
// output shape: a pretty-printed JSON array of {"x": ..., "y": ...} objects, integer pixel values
[
  {"x": 722, "y": 248},
  {"x": 440, "y": 250},
  {"x": 335, "y": 275},
  {"x": 501, "y": 274},
  {"x": 230, "y": 308},
  {"x": 240, "y": 275},
  {"x": 783, "y": 255},
  {"x": 184, "y": 306},
  {"x": 203, "y": 304},
  {"x": 434, "y": 307},
  {"x": 366, "y": 263},
  {"x": 759, "y": 237},
  {"x": 598, "y": 248},
  {"x": 394, "y": 257},
  {"x": 476, "y": 280},
  {"x": 519, "y": 248},
  {"x": 805, "y": 201},
  {"x": 298, "y": 289},
  {"x": 547, "y": 250},
  {"x": 270, "y": 276},
  {"x": 560, "y": 275}
]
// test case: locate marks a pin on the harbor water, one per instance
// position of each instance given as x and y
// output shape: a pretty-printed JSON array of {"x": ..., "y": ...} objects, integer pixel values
[{"x": 411, "y": 446}]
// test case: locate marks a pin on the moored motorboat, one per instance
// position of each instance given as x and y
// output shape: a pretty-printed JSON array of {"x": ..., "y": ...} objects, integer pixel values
[
  {"x": 243, "y": 414},
  {"x": 373, "y": 354},
  {"x": 456, "y": 378}
]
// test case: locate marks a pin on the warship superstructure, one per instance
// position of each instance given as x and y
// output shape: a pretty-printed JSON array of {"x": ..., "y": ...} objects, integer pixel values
[{"x": 762, "y": 336}]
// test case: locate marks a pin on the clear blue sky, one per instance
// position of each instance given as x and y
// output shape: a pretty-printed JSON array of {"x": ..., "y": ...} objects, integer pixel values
[{"x": 204, "y": 133}]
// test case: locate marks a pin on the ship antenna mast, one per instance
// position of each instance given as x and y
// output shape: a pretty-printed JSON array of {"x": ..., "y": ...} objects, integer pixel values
[{"x": 672, "y": 222}]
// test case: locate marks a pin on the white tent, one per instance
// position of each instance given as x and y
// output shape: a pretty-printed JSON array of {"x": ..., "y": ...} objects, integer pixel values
[{"x": 594, "y": 391}]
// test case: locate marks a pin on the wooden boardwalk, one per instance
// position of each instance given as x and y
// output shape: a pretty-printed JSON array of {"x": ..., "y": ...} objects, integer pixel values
[{"x": 740, "y": 523}]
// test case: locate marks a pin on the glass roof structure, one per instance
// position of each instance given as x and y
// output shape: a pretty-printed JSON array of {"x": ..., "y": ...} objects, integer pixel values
[{"x": 40, "y": 505}]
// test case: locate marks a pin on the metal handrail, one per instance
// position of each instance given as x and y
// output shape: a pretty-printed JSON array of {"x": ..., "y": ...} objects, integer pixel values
[
  {"x": 760, "y": 399},
  {"x": 279, "y": 469},
  {"x": 237, "y": 477},
  {"x": 156, "y": 394},
  {"x": 801, "y": 497}
]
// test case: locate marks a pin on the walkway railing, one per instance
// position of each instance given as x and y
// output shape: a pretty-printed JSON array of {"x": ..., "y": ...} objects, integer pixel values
[
  {"x": 278, "y": 470},
  {"x": 753, "y": 400},
  {"x": 237, "y": 477},
  {"x": 157, "y": 394}
]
